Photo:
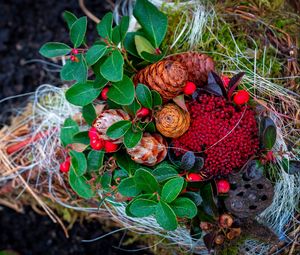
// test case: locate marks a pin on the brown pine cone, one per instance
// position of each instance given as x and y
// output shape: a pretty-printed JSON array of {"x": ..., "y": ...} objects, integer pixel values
[
  {"x": 106, "y": 119},
  {"x": 198, "y": 65},
  {"x": 172, "y": 121},
  {"x": 167, "y": 77},
  {"x": 151, "y": 150}
]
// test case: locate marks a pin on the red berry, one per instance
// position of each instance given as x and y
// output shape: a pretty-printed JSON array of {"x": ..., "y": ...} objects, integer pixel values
[
  {"x": 110, "y": 147},
  {"x": 241, "y": 97},
  {"x": 103, "y": 94},
  {"x": 65, "y": 166},
  {"x": 143, "y": 112},
  {"x": 97, "y": 144},
  {"x": 223, "y": 186},
  {"x": 189, "y": 88},
  {"x": 225, "y": 80},
  {"x": 75, "y": 51},
  {"x": 193, "y": 177},
  {"x": 93, "y": 133},
  {"x": 68, "y": 159},
  {"x": 73, "y": 58}
]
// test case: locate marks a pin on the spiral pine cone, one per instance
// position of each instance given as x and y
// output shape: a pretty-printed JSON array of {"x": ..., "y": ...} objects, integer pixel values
[
  {"x": 198, "y": 65},
  {"x": 151, "y": 150},
  {"x": 106, "y": 119},
  {"x": 172, "y": 121},
  {"x": 167, "y": 77}
]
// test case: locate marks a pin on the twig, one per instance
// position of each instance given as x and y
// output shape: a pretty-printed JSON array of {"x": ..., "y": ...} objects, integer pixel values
[{"x": 87, "y": 12}]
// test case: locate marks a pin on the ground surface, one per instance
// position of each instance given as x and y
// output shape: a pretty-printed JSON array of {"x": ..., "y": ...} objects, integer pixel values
[{"x": 24, "y": 26}]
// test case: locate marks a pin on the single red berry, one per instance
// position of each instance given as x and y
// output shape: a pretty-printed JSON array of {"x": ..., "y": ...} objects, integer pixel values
[
  {"x": 93, "y": 133},
  {"x": 241, "y": 97},
  {"x": 223, "y": 186},
  {"x": 65, "y": 166},
  {"x": 110, "y": 147},
  {"x": 75, "y": 51},
  {"x": 97, "y": 144},
  {"x": 189, "y": 88},
  {"x": 68, "y": 158},
  {"x": 270, "y": 156},
  {"x": 143, "y": 112},
  {"x": 103, "y": 94},
  {"x": 73, "y": 58},
  {"x": 193, "y": 177},
  {"x": 225, "y": 80}
]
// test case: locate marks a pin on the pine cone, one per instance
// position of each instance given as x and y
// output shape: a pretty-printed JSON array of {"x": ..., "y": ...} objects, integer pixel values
[
  {"x": 106, "y": 119},
  {"x": 172, "y": 121},
  {"x": 151, "y": 150},
  {"x": 198, "y": 65},
  {"x": 166, "y": 77}
]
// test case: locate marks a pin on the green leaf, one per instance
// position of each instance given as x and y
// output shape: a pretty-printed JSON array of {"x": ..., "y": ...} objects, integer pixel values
[
  {"x": 165, "y": 216},
  {"x": 75, "y": 70},
  {"x": 118, "y": 129},
  {"x": 69, "y": 129},
  {"x": 209, "y": 202},
  {"x": 133, "y": 107},
  {"x": 78, "y": 30},
  {"x": 95, "y": 53},
  {"x": 116, "y": 38},
  {"x": 89, "y": 113},
  {"x": 164, "y": 172},
  {"x": 124, "y": 24},
  {"x": 112, "y": 68},
  {"x": 172, "y": 189},
  {"x": 144, "y": 95},
  {"x": 122, "y": 92},
  {"x": 129, "y": 44},
  {"x": 153, "y": 22},
  {"x": 143, "y": 45},
  {"x": 104, "y": 28},
  {"x": 132, "y": 138},
  {"x": 156, "y": 98},
  {"x": 80, "y": 185},
  {"x": 106, "y": 180},
  {"x": 128, "y": 187},
  {"x": 54, "y": 49},
  {"x": 150, "y": 127},
  {"x": 82, "y": 137},
  {"x": 145, "y": 181},
  {"x": 69, "y": 18},
  {"x": 120, "y": 173},
  {"x": 82, "y": 94},
  {"x": 126, "y": 163},
  {"x": 95, "y": 160},
  {"x": 269, "y": 134},
  {"x": 143, "y": 207},
  {"x": 78, "y": 162},
  {"x": 194, "y": 196},
  {"x": 152, "y": 58},
  {"x": 184, "y": 208}
]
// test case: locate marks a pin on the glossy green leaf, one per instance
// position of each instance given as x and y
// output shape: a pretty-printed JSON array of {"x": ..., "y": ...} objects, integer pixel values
[
  {"x": 54, "y": 49},
  {"x": 75, "y": 70},
  {"x": 156, "y": 98},
  {"x": 78, "y": 162},
  {"x": 209, "y": 201},
  {"x": 80, "y": 185},
  {"x": 184, "y": 208},
  {"x": 112, "y": 68},
  {"x": 165, "y": 216},
  {"x": 143, "y": 45},
  {"x": 77, "y": 31},
  {"x": 81, "y": 137},
  {"x": 128, "y": 187},
  {"x": 82, "y": 94},
  {"x": 116, "y": 37},
  {"x": 118, "y": 129},
  {"x": 89, "y": 113},
  {"x": 69, "y": 18},
  {"x": 106, "y": 180},
  {"x": 152, "y": 58},
  {"x": 132, "y": 138},
  {"x": 172, "y": 189},
  {"x": 129, "y": 44},
  {"x": 143, "y": 207},
  {"x": 144, "y": 95},
  {"x": 95, "y": 160},
  {"x": 269, "y": 137},
  {"x": 133, "y": 107},
  {"x": 125, "y": 162},
  {"x": 69, "y": 129},
  {"x": 153, "y": 22},
  {"x": 164, "y": 172},
  {"x": 145, "y": 181},
  {"x": 124, "y": 24},
  {"x": 95, "y": 53},
  {"x": 122, "y": 92},
  {"x": 104, "y": 27}
]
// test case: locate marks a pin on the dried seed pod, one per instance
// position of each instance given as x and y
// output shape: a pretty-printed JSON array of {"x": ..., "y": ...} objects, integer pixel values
[
  {"x": 198, "y": 65},
  {"x": 205, "y": 226},
  {"x": 167, "y": 77},
  {"x": 172, "y": 121},
  {"x": 106, "y": 119},
  {"x": 219, "y": 239},
  {"x": 226, "y": 220},
  {"x": 151, "y": 150},
  {"x": 233, "y": 233}
]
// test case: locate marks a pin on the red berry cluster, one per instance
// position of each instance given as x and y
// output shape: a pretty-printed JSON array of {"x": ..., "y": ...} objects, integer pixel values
[
  {"x": 212, "y": 119},
  {"x": 97, "y": 143}
]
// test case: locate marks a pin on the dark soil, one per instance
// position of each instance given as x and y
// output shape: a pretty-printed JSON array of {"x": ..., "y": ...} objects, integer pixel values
[{"x": 24, "y": 26}]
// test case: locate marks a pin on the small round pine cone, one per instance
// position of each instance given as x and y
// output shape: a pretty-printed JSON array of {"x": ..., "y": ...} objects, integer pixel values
[
  {"x": 198, "y": 65},
  {"x": 106, "y": 119},
  {"x": 172, "y": 121},
  {"x": 151, "y": 150},
  {"x": 167, "y": 77}
]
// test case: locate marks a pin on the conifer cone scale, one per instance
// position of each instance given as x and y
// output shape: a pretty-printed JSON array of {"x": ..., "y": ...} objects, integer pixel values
[
  {"x": 198, "y": 65},
  {"x": 167, "y": 77}
]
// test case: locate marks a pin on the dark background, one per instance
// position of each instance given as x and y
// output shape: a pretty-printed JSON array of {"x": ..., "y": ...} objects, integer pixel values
[{"x": 24, "y": 26}]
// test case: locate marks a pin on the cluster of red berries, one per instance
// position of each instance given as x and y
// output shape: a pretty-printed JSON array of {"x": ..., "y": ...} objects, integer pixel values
[
  {"x": 97, "y": 143},
  {"x": 225, "y": 135}
]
